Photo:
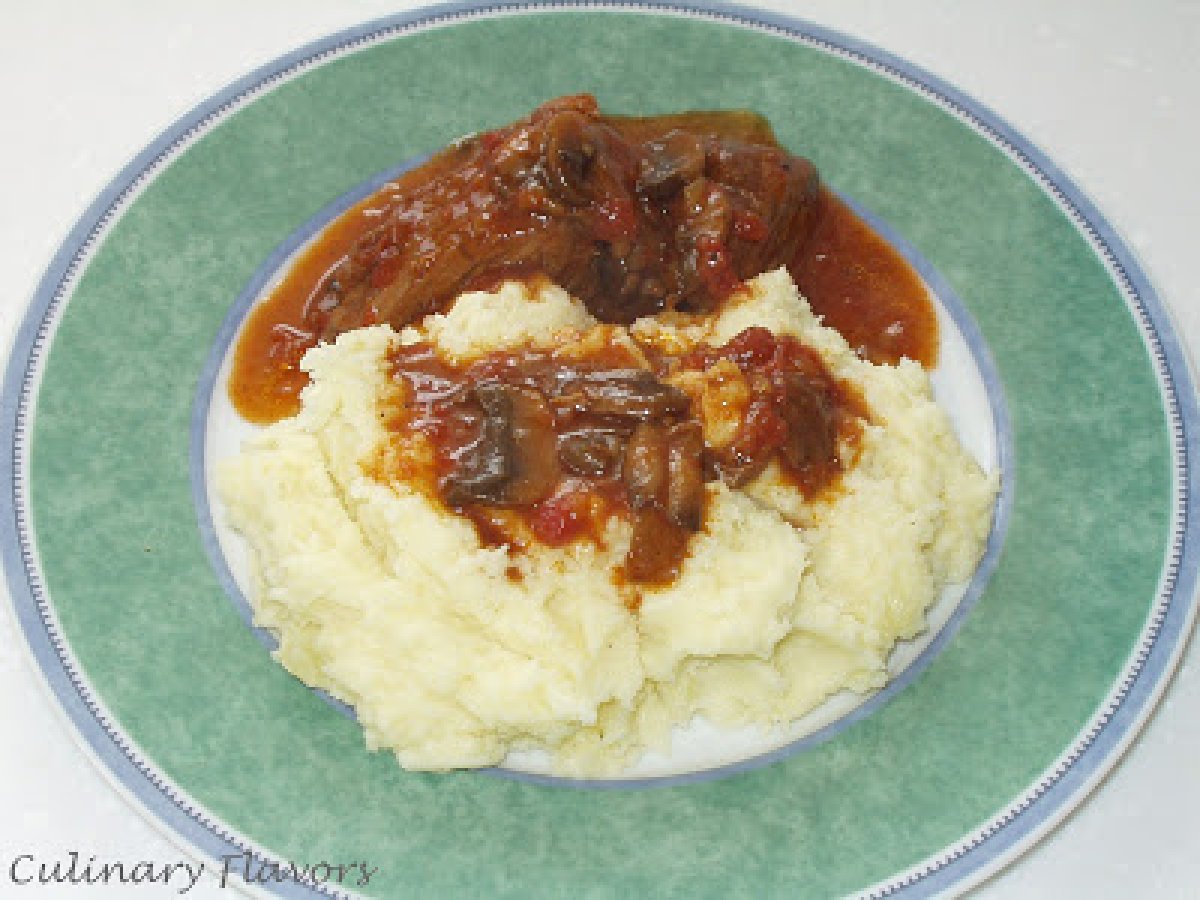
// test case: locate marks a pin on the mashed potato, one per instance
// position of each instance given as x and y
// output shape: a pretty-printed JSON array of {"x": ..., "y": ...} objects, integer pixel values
[{"x": 390, "y": 602}]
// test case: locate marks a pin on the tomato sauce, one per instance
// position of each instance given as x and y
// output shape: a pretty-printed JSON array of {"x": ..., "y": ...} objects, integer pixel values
[
  {"x": 852, "y": 278},
  {"x": 864, "y": 289},
  {"x": 632, "y": 215}
]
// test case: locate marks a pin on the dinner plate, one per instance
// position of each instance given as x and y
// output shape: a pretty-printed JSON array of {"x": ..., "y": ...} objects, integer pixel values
[{"x": 1047, "y": 675}]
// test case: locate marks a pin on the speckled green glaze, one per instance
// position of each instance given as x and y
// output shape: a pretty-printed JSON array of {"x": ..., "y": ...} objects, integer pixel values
[{"x": 170, "y": 657}]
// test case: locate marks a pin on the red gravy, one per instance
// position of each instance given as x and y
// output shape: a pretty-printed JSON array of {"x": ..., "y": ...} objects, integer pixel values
[
  {"x": 864, "y": 289},
  {"x": 536, "y": 447},
  {"x": 636, "y": 216}
]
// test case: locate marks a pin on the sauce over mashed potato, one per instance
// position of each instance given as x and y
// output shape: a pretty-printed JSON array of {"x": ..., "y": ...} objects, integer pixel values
[
  {"x": 446, "y": 535},
  {"x": 549, "y": 444}
]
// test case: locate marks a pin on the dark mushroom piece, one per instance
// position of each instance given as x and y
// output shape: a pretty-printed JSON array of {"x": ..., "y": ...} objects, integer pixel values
[
  {"x": 514, "y": 461},
  {"x": 631, "y": 393},
  {"x": 484, "y": 467},
  {"x": 645, "y": 471},
  {"x": 657, "y": 547},
  {"x": 685, "y": 475},
  {"x": 664, "y": 480},
  {"x": 591, "y": 452}
]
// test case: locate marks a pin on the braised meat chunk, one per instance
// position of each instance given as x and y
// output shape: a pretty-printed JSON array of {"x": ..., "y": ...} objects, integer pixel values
[{"x": 633, "y": 216}]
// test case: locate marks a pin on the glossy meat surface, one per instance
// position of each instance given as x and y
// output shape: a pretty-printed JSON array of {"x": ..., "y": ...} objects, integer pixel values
[{"x": 633, "y": 216}]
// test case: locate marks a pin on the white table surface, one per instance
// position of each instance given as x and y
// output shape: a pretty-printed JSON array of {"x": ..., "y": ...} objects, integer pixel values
[{"x": 1110, "y": 90}]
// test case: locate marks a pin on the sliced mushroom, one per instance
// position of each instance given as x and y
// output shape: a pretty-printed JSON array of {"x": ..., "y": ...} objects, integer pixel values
[
  {"x": 685, "y": 472},
  {"x": 657, "y": 547},
  {"x": 484, "y": 467},
  {"x": 736, "y": 469},
  {"x": 589, "y": 451},
  {"x": 632, "y": 393},
  {"x": 514, "y": 462},
  {"x": 645, "y": 470}
]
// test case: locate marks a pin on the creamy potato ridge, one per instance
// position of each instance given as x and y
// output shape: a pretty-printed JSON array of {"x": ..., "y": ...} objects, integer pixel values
[{"x": 389, "y": 601}]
